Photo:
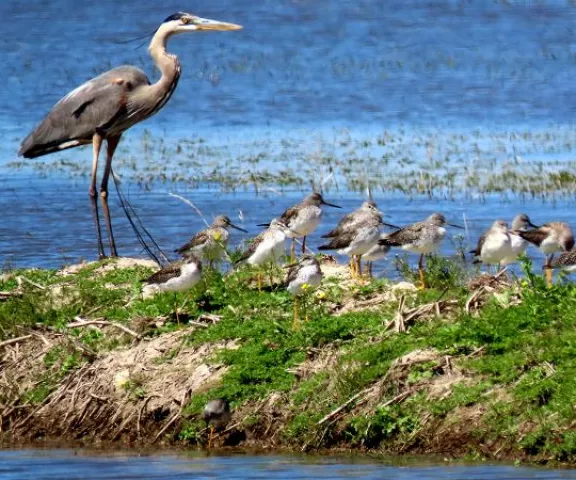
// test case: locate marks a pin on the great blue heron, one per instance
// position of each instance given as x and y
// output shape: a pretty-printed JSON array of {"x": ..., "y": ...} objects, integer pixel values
[{"x": 104, "y": 107}]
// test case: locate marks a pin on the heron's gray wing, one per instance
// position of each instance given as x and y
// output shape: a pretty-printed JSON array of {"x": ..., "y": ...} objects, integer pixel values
[
  {"x": 92, "y": 107},
  {"x": 171, "y": 270},
  {"x": 199, "y": 239}
]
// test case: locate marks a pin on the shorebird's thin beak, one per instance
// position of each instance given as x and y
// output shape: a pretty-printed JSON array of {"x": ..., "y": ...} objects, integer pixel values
[
  {"x": 330, "y": 204},
  {"x": 237, "y": 228},
  {"x": 207, "y": 24},
  {"x": 263, "y": 225},
  {"x": 390, "y": 225},
  {"x": 530, "y": 224},
  {"x": 455, "y": 226}
]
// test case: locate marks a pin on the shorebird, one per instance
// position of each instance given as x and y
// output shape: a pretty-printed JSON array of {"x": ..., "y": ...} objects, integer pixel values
[
  {"x": 566, "y": 261},
  {"x": 210, "y": 243},
  {"x": 178, "y": 276},
  {"x": 368, "y": 209},
  {"x": 302, "y": 278},
  {"x": 216, "y": 415},
  {"x": 103, "y": 108},
  {"x": 377, "y": 252},
  {"x": 550, "y": 238},
  {"x": 356, "y": 241},
  {"x": 267, "y": 247},
  {"x": 422, "y": 237},
  {"x": 303, "y": 218},
  {"x": 494, "y": 245},
  {"x": 522, "y": 223}
]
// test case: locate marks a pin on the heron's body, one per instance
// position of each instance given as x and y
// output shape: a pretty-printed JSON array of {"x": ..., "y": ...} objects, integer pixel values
[
  {"x": 103, "y": 108},
  {"x": 494, "y": 245},
  {"x": 178, "y": 276},
  {"x": 210, "y": 244}
]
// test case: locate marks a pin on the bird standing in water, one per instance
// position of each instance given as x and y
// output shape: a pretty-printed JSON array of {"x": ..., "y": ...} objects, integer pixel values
[
  {"x": 216, "y": 415},
  {"x": 210, "y": 243},
  {"x": 302, "y": 278},
  {"x": 108, "y": 105},
  {"x": 302, "y": 219}
]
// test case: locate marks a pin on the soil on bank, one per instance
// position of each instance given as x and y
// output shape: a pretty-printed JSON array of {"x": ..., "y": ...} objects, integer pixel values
[{"x": 469, "y": 366}]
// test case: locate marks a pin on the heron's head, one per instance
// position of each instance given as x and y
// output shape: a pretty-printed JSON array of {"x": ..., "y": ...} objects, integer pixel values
[{"x": 182, "y": 22}]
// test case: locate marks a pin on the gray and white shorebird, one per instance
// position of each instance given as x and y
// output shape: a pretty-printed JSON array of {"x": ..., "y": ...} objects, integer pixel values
[
  {"x": 302, "y": 219},
  {"x": 216, "y": 414},
  {"x": 103, "y": 108},
  {"x": 494, "y": 245},
  {"x": 367, "y": 210},
  {"x": 210, "y": 244},
  {"x": 376, "y": 253},
  {"x": 178, "y": 276},
  {"x": 521, "y": 223},
  {"x": 550, "y": 238},
  {"x": 302, "y": 278},
  {"x": 268, "y": 247},
  {"x": 356, "y": 241},
  {"x": 421, "y": 237}
]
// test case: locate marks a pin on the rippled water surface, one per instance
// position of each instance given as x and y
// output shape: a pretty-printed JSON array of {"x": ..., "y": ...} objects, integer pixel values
[
  {"x": 412, "y": 83},
  {"x": 72, "y": 465}
]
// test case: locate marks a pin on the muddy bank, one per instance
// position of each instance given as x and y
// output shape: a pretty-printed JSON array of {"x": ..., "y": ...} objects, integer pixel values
[{"x": 378, "y": 367}]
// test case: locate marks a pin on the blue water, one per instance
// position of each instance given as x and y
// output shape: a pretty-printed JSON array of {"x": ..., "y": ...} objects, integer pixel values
[
  {"x": 309, "y": 67},
  {"x": 72, "y": 465}
]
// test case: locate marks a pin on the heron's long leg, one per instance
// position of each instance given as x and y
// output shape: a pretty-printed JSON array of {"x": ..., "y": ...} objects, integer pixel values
[
  {"x": 112, "y": 143},
  {"x": 96, "y": 145}
]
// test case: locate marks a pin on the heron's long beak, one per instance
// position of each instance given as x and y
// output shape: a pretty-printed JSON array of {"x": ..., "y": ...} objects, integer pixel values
[
  {"x": 237, "y": 228},
  {"x": 330, "y": 204},
  {"x": 455, "y": 226},
  {"x": 207, "y": 24}
]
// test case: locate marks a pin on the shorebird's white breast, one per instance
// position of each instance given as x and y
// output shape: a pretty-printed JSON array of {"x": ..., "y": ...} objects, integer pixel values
[
  {"x": 551, "y": 244},
  {"x": 214, "y": 247},
  {"x": 306, "y": 221},
  {"x": 377, "y": 252},
  {"x": 429, "y": 241},
  {"x": 517, "y": 246},
  {"x": 270, "y": 249},
  {"x": 309, "y": 275},
  {"x": 189, "y": 276},
  {"x": 364, "y": 240},
  {"x": 497, "y": 246}
]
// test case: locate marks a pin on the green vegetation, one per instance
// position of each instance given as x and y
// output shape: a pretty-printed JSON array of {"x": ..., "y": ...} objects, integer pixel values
[{"x": 493, "y": 378}]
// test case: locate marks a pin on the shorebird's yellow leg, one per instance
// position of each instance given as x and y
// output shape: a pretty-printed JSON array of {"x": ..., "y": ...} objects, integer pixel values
[
  {"x": 359, "y": 265},
  {"x": 295, "y": 323},
  {"x": 293, "y": 250},
  {"x": 548, "y": 275},
  {"x": 421, "y": 274},
  {"x": 210, "y": 437}
]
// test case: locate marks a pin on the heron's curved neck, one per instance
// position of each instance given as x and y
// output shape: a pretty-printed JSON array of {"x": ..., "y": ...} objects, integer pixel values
[{"x": 168, "y": 64}]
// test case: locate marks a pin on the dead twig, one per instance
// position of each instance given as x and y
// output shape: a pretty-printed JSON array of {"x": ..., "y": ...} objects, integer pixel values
[
  {"x": 81, "y": 322},
  {"x": 11, "y": 341},
  {"x": 334, "y": 413}
]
